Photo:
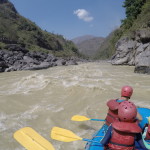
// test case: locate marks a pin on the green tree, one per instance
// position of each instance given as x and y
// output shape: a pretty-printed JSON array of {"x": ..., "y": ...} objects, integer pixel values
[{"x": 133, "y": 9}]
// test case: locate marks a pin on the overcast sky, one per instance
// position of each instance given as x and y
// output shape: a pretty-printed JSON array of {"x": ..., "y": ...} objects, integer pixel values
[{"x": 73, "y": 18}]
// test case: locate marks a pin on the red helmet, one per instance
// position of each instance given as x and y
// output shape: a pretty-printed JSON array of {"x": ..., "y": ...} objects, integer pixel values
[
  {"x": 127, "y": 111},
  {"x": 126, "y": 91}
]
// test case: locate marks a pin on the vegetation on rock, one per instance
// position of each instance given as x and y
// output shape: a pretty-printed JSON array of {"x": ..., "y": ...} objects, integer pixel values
[
  {"x": 15, "y": 29},
  {"x": 137, "y": 18}
]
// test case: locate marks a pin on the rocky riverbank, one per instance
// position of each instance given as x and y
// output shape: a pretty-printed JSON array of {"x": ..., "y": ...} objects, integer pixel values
[
  {"x": 134, "y": 51},
  {"x": 15, "y": 58}
]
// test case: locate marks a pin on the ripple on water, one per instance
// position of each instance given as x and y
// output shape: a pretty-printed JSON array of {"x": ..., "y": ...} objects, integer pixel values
[{"x": 33, "y": 82}]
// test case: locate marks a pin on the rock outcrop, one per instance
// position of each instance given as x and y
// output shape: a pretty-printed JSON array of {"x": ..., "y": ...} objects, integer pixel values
[
  {"x": 15, "y": 58},
  {"x": 134, "y": 51}
]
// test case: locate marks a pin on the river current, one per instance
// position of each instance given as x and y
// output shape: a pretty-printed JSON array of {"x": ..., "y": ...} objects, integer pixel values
[{"x": 46, "y": 98}]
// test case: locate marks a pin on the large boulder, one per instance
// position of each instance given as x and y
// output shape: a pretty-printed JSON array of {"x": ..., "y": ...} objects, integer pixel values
[
  {"x": 142, "y": 61},
  {"x": 135, "y": 51},
  {"x": 125, "y": 50}
]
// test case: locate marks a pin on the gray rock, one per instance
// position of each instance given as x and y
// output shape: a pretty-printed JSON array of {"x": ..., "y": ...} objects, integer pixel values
[
  {"x": 28, "y": 59},
  {"x": 143, "y": 35},
  {"x": 142, "y": 69},
  {"x": 134, "y": 52},
  {"x": 16, "y": 59}
]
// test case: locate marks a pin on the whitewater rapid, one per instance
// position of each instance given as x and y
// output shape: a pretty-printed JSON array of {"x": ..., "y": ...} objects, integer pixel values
[{"x": 46, "y": 98}]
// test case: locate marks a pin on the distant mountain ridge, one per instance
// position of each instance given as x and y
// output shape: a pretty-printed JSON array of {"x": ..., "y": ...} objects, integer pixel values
[
  {"x": 81, "y": 39},
  {"x": 88, "y": 45}
]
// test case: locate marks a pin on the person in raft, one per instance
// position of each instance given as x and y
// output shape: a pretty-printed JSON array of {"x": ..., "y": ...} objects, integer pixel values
[
  {"x": 123, "y": 132},
  {"x": 126, "y": 93},
  {"x": 146, "y": 130}
]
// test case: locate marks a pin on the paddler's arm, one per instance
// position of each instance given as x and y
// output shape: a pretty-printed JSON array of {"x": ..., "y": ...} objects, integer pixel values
[
  {"x": 139, "y": 117},
  {"x": 105, "y": 140},
  {"x": 148, "y": 130}
]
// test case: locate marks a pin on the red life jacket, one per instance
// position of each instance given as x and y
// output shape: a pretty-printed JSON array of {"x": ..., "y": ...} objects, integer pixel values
[
  {"x": 148, "y": 133},
  {"x": 123, "y": 135},
  {"x": 112, "y": 114}
]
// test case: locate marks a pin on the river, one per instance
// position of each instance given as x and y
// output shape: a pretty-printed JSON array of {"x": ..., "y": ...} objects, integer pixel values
[{"x": 46, "y": 98}]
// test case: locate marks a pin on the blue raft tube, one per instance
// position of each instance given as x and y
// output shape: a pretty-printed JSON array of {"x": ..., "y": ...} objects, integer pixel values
[{"x": 94, "y": 144}]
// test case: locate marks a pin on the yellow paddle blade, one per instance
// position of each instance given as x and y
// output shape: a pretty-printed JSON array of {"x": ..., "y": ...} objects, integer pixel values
[
  {"x": 63, "y": 135},
  {"x": 79, "y": 118},
  {"x": 31, "y": 140}
]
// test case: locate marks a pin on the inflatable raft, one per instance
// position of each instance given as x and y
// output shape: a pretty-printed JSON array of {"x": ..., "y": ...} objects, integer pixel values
[{"x": 95, "y": 145}]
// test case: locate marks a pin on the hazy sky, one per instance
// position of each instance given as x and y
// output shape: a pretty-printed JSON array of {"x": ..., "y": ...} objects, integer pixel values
[{"x": 73, "y": 18}]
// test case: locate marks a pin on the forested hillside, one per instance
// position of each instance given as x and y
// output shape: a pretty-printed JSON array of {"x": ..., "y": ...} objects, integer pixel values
[
  {"x": 137, "y": 17},
  {"x": 130, "y": 44},
  {"x": 25, "y": 46},
  {"x": 15, "y": 29}
]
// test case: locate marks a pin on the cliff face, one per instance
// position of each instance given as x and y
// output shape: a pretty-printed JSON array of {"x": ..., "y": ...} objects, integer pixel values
[
  {"x": 130, "y": 43},
  {"x": 133, "y": 48},
  {"x": 135, "y": 51}
]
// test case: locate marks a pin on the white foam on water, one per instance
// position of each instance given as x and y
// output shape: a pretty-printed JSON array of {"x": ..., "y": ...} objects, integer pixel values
[
  {"x": 54, "y": 108},
  {"x": 2, "y": 127},
  {"x": 3, "y": 117},
  {"x": 69, "y": 83},
  {"x": 29, "y": 114},
  {"x": 26, "y": 84},
  {"x": 19, "y": 120},
  {"x": 32, "y": 83}
]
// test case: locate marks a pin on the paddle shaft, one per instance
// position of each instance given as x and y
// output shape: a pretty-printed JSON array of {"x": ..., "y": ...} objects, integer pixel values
[
  {"x": 88, "y": 140},
  {"x": 97, "y": 119}
]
